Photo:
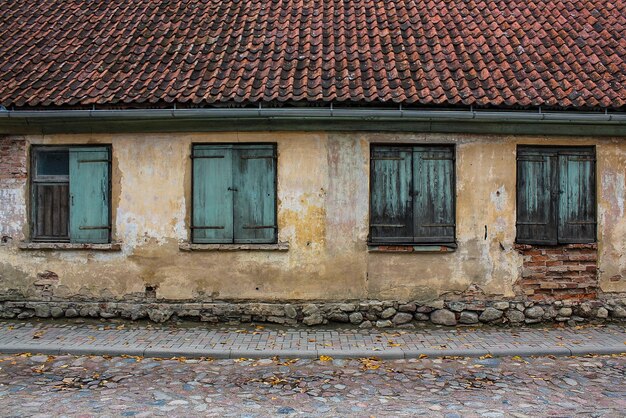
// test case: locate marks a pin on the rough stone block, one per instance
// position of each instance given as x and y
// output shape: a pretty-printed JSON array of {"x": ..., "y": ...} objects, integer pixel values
[
  {"x": 290, "y": 311},
  {"x": 456, "y": 306},
  {"x": 388, "y": 313},
  {"x": 501, "y": 305},
  {"x": 534, "y": 312},
  {"x": 443, "y": 317},
  {"x": 402, "y": 318},
  {"x": 407, "y": 307},
  {"x": 313, "y": 319},
  {"x": 514, "y": 316},
  {"x": 490, "y": 314},
  {"x": 468, "y": 317},
  {"x": 356, "y": 318}
]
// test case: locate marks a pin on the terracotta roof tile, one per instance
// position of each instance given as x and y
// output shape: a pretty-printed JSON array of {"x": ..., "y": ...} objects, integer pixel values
[{"x": 556, "y": 53}]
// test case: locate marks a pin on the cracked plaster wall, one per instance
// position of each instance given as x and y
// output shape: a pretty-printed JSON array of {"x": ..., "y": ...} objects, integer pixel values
[{"x": 322, "y": 214}]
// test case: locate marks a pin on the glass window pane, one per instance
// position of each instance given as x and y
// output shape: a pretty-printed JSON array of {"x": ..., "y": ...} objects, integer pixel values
[{"x": 53, "y": 163}]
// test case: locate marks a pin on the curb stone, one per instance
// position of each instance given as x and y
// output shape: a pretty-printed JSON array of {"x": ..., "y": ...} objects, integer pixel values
[{"x": 310, "y": 354}]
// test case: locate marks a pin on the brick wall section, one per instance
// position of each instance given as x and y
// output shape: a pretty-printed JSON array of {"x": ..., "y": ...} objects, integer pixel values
[
  {"x": 564, "y": 272},
  {"x": 12, "y": 160}
]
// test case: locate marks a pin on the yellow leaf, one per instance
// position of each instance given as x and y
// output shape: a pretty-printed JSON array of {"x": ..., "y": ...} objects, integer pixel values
[
  {"x": 38, "y": 334},
  {"x": 120, "y": 326},
  {"x": 326, "y": 358},
  {"x": 422, "y": 356},
  {"x": 486, "y": 356}
]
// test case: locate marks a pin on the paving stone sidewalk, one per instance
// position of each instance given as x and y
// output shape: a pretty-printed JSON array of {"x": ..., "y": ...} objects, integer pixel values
[{"x": 120, "y": 338}]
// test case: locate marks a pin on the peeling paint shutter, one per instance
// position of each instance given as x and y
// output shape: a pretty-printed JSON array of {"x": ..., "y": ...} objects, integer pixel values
[
  {"x": 537, "y": 177},
  {"x": 433, "y": 197},
  {"x": 577, "y": 213},
  {"x": 89, "y": 195},
  {"x": 254, "y": 172},
  {"x": 212, "y": 194},
  {"x": 391, "y": 211}
]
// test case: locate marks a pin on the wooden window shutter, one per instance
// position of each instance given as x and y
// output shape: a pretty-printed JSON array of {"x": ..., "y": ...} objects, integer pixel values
[
  {"x": 52, "y": 211},
  {"x": 537, "y": 178},
  {"x": 89, "y": 195},
  {"x": 577, "y": 205},
  {"x": 433, "y": 196},
  {"x": 391, "y": 204},
  {"x": 212, "y": 194},
  {"x": 254, "y": 172}
]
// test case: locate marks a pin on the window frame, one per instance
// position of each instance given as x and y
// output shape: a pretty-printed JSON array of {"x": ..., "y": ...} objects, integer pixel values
[
  {"x": 34, "y": 178},
  {"x": 234, "y": 145},
  {"x": 558, "y": 151},
  {"x": 426, "y": 241}
]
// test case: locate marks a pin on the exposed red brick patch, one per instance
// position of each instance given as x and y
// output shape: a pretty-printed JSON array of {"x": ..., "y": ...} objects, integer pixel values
[
  {"x": 12, "y": 159},
  {"x": 507, "y": 54},
  {"x": 559, "y": 273}
]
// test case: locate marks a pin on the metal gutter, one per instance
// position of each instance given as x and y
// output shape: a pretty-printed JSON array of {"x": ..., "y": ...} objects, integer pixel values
[{"x": 327, "y": 118}]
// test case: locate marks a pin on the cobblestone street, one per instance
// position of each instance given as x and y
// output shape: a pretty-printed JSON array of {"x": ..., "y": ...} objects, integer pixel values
[{"x": 46, "y": 386}]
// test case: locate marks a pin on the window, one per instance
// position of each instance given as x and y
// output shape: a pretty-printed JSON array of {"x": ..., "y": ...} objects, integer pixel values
[
  {"x": 234, "y": 193},
  {"x": 71, "y": 194},
  {"x": 412, "y": 194},
  {"x": 556, "y": 200}
]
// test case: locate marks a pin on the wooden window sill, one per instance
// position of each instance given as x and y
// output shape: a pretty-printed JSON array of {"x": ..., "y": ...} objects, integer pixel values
[
  {"x": 581, "y": 246},
  {"x": 187, "y": 246},
  {"x": 411, "y": 248},
  {"x": 69, "y": 246}
]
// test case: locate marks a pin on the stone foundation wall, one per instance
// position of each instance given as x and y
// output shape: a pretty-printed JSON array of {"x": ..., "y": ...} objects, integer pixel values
[
  {"x": 364, "y": 314},
  {"x": 557, "y": 273}
]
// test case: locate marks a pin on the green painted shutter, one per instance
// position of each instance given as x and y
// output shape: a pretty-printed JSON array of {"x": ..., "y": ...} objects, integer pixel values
[
  {"x": 254, "y": 171},
  {"x": 89, "y": 195},
  {"x": 433, "y": 196},
  {"x": 212, "y": 194},
  {"x": 537, "y": 177},
  {"x": 391, "y": 205},
  {"x": 577, "y": 205}
]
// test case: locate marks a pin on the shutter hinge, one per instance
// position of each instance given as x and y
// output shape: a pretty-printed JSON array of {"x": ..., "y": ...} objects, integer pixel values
[{"x": 259, "y": 227}]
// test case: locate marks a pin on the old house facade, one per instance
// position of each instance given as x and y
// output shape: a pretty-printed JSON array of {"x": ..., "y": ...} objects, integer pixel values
[{"x": 370, "y": 162}]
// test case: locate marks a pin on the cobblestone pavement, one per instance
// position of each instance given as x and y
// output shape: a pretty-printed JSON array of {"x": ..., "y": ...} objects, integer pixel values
[
  {"x": 44, "y": 386},
  {"x": 191, "y": 340}
]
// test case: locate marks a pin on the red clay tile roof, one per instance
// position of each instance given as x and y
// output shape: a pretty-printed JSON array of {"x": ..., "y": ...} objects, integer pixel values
[{"x": 554, "y": 53}]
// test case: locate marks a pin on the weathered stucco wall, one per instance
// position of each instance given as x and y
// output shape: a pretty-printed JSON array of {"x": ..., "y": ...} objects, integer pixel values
[{"x": 322, "y": 213}]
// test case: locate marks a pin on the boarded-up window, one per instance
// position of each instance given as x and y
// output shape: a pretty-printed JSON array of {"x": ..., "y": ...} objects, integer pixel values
[
  {"x": 234, "y": 193},
  {"x": 71, "y": 194},
  {"x": 412, "y": 194},
  {"x": 556, "y": 200}
]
